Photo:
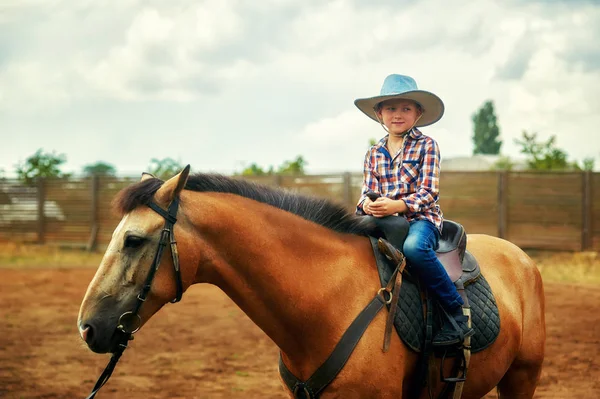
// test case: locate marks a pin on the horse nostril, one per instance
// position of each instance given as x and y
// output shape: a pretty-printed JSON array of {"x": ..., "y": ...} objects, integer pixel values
[{"x": 87, "y": 333}]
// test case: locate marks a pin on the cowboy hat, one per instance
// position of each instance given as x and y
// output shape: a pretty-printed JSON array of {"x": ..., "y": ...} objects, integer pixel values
[{"x": 405, "y": 88}]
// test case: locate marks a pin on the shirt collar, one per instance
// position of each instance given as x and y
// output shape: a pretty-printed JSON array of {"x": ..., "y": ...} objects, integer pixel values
[{"x": 414, "y": 134}]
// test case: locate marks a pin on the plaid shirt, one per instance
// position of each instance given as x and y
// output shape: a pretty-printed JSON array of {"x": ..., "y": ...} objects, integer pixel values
[{"x": 412, "y": 175}]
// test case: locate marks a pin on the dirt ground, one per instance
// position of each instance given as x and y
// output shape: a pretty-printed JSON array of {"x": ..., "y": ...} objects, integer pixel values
[{"x": 205, "y": 347}]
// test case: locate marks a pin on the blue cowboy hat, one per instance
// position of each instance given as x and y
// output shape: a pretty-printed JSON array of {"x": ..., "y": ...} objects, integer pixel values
[{"x": 405, "y": 88}]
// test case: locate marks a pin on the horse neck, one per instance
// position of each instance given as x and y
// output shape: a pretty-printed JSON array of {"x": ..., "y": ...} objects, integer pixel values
[{"x": 301, "y": 283}]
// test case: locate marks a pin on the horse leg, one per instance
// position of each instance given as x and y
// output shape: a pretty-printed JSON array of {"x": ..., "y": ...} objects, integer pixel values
[
  {"x": 524, "y": 373},
  {"x": 520, "y": 380}
]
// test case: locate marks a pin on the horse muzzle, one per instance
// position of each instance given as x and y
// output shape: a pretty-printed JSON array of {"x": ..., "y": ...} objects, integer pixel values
[{"x": 100, "y": 337}]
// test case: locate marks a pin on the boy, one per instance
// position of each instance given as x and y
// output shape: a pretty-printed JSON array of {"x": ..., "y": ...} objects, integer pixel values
[{"x": 404, "y": 168}]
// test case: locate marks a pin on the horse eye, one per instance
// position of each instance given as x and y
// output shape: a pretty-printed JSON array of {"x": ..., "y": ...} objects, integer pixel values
[{"x": 134, "y": 242}]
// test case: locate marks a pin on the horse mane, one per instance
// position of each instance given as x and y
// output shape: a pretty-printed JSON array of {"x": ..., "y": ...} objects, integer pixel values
[{"x": 318, "y": 210}]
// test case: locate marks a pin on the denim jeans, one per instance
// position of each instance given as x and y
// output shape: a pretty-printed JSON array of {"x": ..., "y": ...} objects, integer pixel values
[{"x": 419, "y": 249}]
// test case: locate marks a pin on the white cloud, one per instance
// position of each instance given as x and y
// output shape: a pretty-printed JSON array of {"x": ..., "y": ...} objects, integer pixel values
[
  {"x": 555, "y": 95},
  {"x": 162, "y": 54},
  {"x": 337, "y": 143},
  {"x": 288, "y": 72}
]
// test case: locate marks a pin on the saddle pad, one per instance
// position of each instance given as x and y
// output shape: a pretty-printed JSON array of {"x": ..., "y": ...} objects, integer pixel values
[{"x": 410, "y": 322}]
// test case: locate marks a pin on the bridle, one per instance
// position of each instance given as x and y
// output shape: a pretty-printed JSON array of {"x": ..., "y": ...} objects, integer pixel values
[{"x": 130, "y": 322}]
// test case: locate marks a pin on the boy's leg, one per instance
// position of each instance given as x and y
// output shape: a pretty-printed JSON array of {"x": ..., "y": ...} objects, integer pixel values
[{"x": 419, "y": 249}]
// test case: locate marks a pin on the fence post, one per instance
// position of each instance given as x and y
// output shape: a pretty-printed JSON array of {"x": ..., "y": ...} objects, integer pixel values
[
  {"x": 586, "y": 207},
  {"x": 41, "y": 215},
  {"x": 93, "y": 241},
  {"x": 347, "y": 189},
  {"x": 502, "y": 203}
]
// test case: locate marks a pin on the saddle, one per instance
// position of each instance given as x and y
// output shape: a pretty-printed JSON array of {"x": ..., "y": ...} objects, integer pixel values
[
  {"x": 461, "y": 266},
  {"x": 415, "y": 328}
]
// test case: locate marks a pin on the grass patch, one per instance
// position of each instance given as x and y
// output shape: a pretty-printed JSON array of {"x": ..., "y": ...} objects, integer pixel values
[
  {"x": 568, "y": 267},
  {"x": 18, "y": 255}
]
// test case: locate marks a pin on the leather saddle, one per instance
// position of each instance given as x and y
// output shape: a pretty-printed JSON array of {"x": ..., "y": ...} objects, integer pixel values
[{"x": 461, "y": 266}]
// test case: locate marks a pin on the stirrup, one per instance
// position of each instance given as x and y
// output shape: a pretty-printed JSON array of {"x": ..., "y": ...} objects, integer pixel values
[{"x": 461, "y": 369}]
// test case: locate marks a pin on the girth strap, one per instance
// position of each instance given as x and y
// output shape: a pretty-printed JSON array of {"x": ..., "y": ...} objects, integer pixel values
[{"x": 311, "y": 388}]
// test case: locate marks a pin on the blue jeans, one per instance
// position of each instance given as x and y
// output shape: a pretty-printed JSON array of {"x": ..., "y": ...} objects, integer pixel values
[{"x": 419, "y": 249}]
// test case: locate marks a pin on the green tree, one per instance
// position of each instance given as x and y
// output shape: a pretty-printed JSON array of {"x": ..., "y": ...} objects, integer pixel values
[
  {"x": 100, "y": 169},
  {"x": 40, "y": 164},
  {"x": 589, "y": 163},
  {"x": 486, "y": 130},
  {"x": 295, "y": 167},
  {"x": 164, "y": 168},
  {"x": 544, "y": 155},
  {"x": 255, "y": 170},
  {"x": 503, "y": 163}
]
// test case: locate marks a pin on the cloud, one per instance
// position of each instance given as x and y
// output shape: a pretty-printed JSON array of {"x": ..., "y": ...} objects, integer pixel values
[
  {"x": 549, "y": 74},
  {"x": 338, "y": 142},
  {"x": 566, "y": 3},
  {"x": 517, "y": 63},
  {"x": 144, "y": 51},
  {"x": 567, "y": 29},
  {"x": 159, "y": 56},
  {"x": 581, "y": 49},
  {"x": 276, "y": 78}
]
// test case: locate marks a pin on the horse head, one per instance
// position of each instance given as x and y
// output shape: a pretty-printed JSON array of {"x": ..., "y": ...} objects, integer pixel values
[{"x": 114, "y": 297}]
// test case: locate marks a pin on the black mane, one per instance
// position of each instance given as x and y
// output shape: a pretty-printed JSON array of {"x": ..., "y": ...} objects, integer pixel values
[{"x": 318, "y": 210}]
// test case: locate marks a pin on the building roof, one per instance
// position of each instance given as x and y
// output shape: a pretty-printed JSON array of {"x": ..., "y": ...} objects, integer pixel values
[{"x": 479, "y": 162}]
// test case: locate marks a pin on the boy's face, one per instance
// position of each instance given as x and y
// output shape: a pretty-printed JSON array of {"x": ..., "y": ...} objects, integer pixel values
[{"x": 398, "y": 116}]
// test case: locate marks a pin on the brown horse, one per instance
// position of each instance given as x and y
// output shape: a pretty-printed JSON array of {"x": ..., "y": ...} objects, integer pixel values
[{"x": 302, "y": 269}]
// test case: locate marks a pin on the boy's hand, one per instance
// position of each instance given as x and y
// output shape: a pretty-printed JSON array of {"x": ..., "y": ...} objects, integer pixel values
[
  {"x": 365, "y": 206},
  {"x": 384, "y": 207}
]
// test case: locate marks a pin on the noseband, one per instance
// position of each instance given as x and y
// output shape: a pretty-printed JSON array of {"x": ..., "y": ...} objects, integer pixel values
[{"x": 130, "y": 322}]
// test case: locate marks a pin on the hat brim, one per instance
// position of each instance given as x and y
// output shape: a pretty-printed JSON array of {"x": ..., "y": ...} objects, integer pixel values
[{"x": 433, "y": 107}]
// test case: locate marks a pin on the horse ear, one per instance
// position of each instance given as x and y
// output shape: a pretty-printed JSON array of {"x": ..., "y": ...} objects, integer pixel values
[
  {"x": 146, "y": 176},
  {"x": 172, "y": 187}
]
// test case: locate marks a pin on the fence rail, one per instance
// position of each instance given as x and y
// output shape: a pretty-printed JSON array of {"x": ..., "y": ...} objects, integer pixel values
[{"x": 534, "y": 210}]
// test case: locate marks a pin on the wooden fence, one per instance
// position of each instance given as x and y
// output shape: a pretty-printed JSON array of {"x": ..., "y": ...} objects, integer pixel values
[{"x": 534, "y": 210}]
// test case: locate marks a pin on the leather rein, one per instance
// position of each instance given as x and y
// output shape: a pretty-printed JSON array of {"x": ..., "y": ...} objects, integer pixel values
[{"x": 130, "y": 322}]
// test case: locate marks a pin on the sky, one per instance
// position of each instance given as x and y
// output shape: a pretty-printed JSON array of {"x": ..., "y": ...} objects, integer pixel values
[{"x": 223, "y": 84}]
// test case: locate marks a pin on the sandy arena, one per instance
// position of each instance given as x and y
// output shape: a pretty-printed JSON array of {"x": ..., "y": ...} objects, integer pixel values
[{"x": 205, "y": 347}]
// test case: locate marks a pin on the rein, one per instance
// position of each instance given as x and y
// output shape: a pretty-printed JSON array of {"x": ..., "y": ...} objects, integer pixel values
[{"x": 130, "y": 322}]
